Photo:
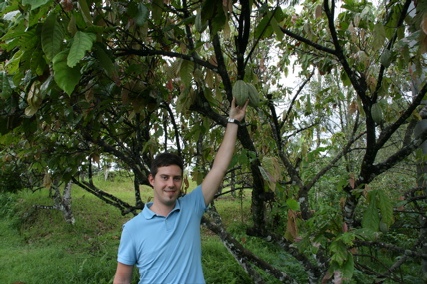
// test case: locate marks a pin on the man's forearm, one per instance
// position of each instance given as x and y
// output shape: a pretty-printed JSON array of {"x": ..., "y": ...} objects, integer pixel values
[
  {"x": 123, "y": 274},
  {"x": 222, "y": 160},
  {"x": 226, "y": 150}
]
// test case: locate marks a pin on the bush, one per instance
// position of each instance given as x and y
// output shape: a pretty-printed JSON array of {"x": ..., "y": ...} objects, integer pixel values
[
  {"x": 7, "y": 204},
  {"x": 10, "y": 180}
]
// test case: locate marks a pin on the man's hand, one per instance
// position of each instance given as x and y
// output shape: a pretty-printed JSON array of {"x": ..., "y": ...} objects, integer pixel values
[{"x": 238, "y": 112}]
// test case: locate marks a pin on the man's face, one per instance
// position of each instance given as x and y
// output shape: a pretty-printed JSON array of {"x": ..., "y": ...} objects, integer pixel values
[{"x": 167, "y": 184}]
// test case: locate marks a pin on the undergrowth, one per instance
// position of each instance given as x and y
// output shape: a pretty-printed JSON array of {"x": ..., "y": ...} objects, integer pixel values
[{"x": 38, "y": 246}]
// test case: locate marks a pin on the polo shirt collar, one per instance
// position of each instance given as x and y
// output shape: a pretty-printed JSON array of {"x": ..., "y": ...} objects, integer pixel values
[{"x": 148, "y": 214}]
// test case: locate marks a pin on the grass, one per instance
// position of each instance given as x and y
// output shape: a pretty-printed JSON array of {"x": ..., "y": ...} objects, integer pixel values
[{"x": 38, "y": 246}]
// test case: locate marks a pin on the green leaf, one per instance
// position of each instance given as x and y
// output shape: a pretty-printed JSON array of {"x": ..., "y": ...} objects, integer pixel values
[
  {"x": 348, "y": 267},
  {"x": 218, "y": 22},
  {"x": 264, "y": 29},
  {"x": 212, "y": 11},
  {"x": 12, "y": 66},
  {"x": 386, "y": 58},
  {"x": 347, "y": 238},
  {"x": 6, "y": 88},
  {"x": 345, "y": 79},
  {"x": 292, "y": 204},
  {"x": 339, "y": 252},
  {"x": 379, "y": 36},
  {"x": 366, "y": 234},
  {"x": 386, "y": 208},
  {"x": 104, "y": 60},
  {"x": 86, "y": 12},
  {"x": 141, "y": 15},
  {"x": 157, "y": 10},
  {"x": 200, "y": 26},
  {"x": 52, "y": 36},
  {"x": 275, "y": 25},
  {"x": 82, "y": 42},
  {"x": 67, "y": 78},
  {"x": 185, "y": 100},
  {"x": 186, "y": 72},
  {"x": 371, "y": 218},
  {"x": 38, "y": 62},
  {"x": 208, "y": 10},
  {"x": 35, "y": 3},
  {"x": 30, "y": 39}
]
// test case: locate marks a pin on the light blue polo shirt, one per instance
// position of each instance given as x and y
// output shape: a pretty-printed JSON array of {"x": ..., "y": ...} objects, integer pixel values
[{"x": 166, "y": 249}]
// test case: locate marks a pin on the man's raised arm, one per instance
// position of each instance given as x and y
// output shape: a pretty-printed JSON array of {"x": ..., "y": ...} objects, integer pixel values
[{"x": 223, "y": 157}]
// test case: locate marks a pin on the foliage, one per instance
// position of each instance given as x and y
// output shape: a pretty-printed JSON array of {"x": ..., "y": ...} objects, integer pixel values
[
  {"x": 39, "y": 247},
  {"x": 7, "y": 205},
  {"x": 112, "y": 83}
]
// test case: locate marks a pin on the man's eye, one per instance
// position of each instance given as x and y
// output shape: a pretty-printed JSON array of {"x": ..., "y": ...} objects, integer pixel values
[{"x": 177, "y": 178}]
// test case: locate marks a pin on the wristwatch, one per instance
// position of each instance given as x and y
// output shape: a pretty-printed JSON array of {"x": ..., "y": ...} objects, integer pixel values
[{"x": 232, "y": 120}]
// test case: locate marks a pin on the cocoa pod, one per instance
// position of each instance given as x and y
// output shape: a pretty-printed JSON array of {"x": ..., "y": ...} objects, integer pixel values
[
  {"x": 253, "y": 95},
  {"x": 377, "y": 113},
  {"x": 240, "y": 92}
]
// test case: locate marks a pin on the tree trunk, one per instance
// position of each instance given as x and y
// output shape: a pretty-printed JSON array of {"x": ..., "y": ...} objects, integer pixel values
[
  {"x": 422, "y": 183},
  {"x": 62, "y": 203},
  {"x": 65, "y": 204}
]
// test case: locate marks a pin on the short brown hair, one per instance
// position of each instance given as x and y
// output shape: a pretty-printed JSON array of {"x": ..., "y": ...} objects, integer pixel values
[{"x": 164, "y": 160}]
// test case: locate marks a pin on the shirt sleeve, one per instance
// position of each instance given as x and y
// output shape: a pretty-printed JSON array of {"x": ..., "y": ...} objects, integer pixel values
[
  {"x": 196, "y": 200},
  {"x": 127, "y": 251}
]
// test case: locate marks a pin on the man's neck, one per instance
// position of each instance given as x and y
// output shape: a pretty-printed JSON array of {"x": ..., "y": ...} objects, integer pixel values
[{"x": 162, "y": 209}]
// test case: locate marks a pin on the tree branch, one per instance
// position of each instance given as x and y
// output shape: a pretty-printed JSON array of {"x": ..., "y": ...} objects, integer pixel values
[
  {"x": 344, "y": 151},
  {"x": 307, "y": 41},
  {"x": 150, "y": 52},
  {"x": 412, "y": 253},
  {"x": 359, "y": 85},
  {"x": 124, "y": 207},
  {"x": 403, "y": 15},
  {"x": 390, "y": 130},
  {"x": 241, "y": 254}
]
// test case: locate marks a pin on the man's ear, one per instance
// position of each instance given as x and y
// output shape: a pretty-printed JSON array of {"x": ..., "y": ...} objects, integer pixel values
[{"x": 151, "y": 179}]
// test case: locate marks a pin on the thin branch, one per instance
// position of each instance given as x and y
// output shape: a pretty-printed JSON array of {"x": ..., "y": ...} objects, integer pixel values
[
  {"x": 359, "y": 85},
  {"x": 390, "y": 130},
  {"x": 150, "y": 52},
  {"x": 307, "y": 41},
  {"x": 295, "y": 97},
  {"x": 397, "y": 157},
  {"x": 403, "y": 15},
  {"x": 175, "y": 127},
  {"x": 412, "y": 253},
  {"x": 344, "y": 151}
]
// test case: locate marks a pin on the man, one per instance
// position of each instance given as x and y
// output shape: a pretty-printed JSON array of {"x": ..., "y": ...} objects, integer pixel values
[{"x": 163, "y": 241}]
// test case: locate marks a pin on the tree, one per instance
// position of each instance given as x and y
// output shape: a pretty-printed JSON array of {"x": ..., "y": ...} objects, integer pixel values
[{"x": 84, "y": 79}]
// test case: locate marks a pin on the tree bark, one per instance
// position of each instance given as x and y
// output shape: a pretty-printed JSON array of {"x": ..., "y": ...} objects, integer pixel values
[
  {"x": 422, "y": 184},
  {"x": 62, "y": 203}
]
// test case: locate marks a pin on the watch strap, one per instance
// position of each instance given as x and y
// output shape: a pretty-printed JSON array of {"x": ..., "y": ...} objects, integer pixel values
[{"x": 232, "y": 120}]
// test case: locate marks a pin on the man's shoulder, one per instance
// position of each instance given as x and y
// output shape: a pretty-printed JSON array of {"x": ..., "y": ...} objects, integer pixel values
[
  {"x": 136, "y": 221},
  {"x": 193, "y": 199},
  {"x": 196, "y": 191}
]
